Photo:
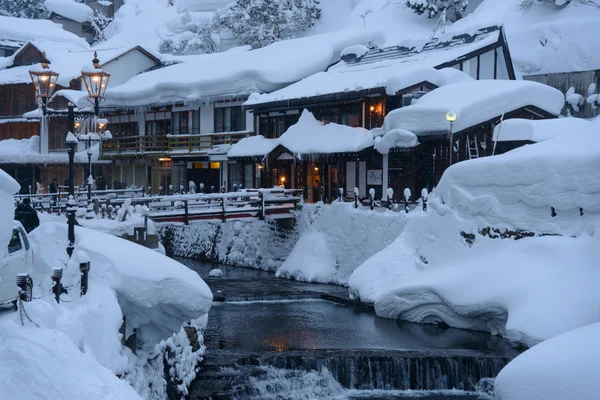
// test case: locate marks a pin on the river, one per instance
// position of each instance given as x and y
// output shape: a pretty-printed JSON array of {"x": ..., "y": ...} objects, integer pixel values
[{"x": 271, "y": 338}]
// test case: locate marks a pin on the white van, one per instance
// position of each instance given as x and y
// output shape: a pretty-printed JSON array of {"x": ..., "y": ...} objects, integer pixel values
[{"x": 19, "y": 259}]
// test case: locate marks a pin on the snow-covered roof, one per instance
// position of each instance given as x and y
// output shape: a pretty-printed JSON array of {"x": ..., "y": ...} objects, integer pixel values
[
  {"x": 66, "y": 60},
  {"x": 309, "y": 136},
  {"x": 394, "y": 139},
  {"x": 211, "y": 76},
  {"x": 27, "y": 151},
  {"x": 70, "y": 9},
  {"x": 252, "y": 146},
  {"x": 474, "y": 102},
  {"x": 24, "y": 30},
  {"x": 392, "y": 69},
  {"x": 538, "y": 130}
]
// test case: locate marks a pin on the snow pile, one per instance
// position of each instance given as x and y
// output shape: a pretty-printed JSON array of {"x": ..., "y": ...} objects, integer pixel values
[
  {"x": 25, "y": 30},
  {"x": 481, "y": 258},
  {"x": 252, "y": 146},
  {"x": 474, "y": 102},
  {"x": 200, "y": 6},
  {"x": 70, "y": 9},
  {"x": 215, "y": 273},
  {"x": 155, "y": 293},
  {"x": 45, "y": 363},
  {"x": 311, "y": 260},
  {"x": 309, "y": 136},
  {"x": 538, "y": 131},
  {"x": 395, "y": 138},
  {"x": 357, "y": 50},
  {"x": 8, "y": 187},
  {"x": 564, "y": 367},
  {"x": 210, "y": 76}
]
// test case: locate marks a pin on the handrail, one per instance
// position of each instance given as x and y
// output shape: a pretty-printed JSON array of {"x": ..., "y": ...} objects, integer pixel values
[{"x": 167, "y": 144}]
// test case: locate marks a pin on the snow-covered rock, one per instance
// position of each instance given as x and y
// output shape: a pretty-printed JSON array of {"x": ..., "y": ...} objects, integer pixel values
[
  {"x": 215, "y": 273},
  {"x": 564, "y": 367}
]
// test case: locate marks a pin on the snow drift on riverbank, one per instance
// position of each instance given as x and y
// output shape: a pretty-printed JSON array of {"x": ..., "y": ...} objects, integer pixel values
[
  {"x": 461, "y": 262},
  {"x": 79, "y": 340},
  {"x": 564, "y": 367}
]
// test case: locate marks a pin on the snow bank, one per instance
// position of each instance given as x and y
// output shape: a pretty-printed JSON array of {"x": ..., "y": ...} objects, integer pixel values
[
  {"x": 309, "y": 136},
  {"x": 156, "y": 293},
  {"x": 311, "y": 260},
  {"x": 564, "y": 367},
  {"x": 70, "y": 9},
  {"x": 474, "y": 102},
  {"x": 8, "y": 187},
  {"x": 540, "y": 130},
  {"x": 462, "y": 263},
  {"x": 42, "y": 363},
  {"x": 210, "y": 76}
]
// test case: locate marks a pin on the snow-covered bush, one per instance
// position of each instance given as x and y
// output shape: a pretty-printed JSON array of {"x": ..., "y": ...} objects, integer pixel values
[
  {"x": 433, "y": 8},
  {"x": 574, "y": 99},
  {"x": 257, "y": 23},
  {"x": 33, "y": 9},
  {"x": 525, "y": 4}
]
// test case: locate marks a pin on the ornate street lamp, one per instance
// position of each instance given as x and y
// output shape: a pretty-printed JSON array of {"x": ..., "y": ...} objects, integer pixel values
[
  {"x": 450, "y": 117},
  {"x": 95, "y": 80},
  {"x": 44, "y": 80}
]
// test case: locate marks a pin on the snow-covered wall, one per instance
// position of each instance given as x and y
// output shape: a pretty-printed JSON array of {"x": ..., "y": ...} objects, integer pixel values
[{"x": 351, "y": 237}]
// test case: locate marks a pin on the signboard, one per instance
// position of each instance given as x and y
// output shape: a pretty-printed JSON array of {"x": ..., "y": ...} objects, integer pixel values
[{"x": 374, "y": 177}]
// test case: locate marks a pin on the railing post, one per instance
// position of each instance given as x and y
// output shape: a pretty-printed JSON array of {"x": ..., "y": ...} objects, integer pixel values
[
  {"x": 84, "y": 268},
  {"x": 356, "y": 193},
  {"x": 224, "y": 216},
  {"x": 341, "y": 194},
  {"x": 390, "y": 196},
  {"x": 56, "y": 277},
  {"x": 407, "y": 195},
  {"x": 372, "y": 198},
  {"x": 261, "y": 206},
  {"x": 185, "y": 207},
  {"x": 424, "y": 196}
]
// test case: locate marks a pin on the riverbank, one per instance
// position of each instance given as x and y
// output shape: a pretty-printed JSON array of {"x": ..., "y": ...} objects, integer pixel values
[{"x": 350, "y": 237}]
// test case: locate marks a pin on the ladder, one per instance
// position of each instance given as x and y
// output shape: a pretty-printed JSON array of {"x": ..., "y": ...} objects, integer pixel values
[{"x": 472, "y": 147}]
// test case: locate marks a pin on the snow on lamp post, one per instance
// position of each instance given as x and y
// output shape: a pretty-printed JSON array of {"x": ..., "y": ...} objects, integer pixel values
[{"x": 451, "y": 118}]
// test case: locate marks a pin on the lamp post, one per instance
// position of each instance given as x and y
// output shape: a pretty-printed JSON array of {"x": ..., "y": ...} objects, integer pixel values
[
  {"x": 450, "y": 117},
  {"x": 45, "y": 81}
]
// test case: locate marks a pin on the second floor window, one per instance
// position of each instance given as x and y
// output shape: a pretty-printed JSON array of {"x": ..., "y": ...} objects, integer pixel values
[
  {"x": 230, "y": 119},
  {"x": 186, "y": 122}
]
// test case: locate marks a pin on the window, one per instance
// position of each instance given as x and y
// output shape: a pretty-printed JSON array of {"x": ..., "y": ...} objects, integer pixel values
[
  {"x": 230, "y": 119},
  {"x": 186, "y": 122},
  {"x": 15, "y": 242},
  {"x": 158, "y": 123},
  {"x": 123, "y": 125}
]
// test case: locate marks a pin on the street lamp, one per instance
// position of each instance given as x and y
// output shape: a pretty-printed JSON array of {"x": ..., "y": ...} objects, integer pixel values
[
  {"x": 96, "y": 80},
  {"x": 450, "y": 117}
]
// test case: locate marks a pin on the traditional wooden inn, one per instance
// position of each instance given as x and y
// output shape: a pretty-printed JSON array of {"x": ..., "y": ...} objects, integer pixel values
[{"x": 367, "y": 84}]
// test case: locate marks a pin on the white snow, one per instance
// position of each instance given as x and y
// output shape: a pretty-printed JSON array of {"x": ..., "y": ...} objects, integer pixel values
[
  {"x": 70, "y": 9},
  {"x": 309, "y": 136},
  {"x": 395, "y": 138},
  {"x": 474, "y": 102},
  {"x": 311, "y": 260},
  {"x": 540, "y": 130},
  {"x": 357, "y": 50},
  {"x": 211, "y": 76},
  {"x": 27, "y": 151},
  {"x": 563, "y": 367},
  {"x": 25, "y": 30},
  {"x": 529, "y": 289},
  {"x": 390, "y": 75},
  {"x": 252, "y": 146},
  {"x": 217, "y": 272},
  {"x": 8, "y": 187}
]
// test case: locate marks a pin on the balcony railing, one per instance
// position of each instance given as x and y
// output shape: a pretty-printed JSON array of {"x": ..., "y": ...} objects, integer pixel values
[{"x": 193, "y": 144}]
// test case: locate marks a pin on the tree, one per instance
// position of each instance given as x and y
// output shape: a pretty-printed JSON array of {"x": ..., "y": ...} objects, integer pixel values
[
  {"x": 33, "y": 9},
  {"x": 433, "y": 8},
  {"x": 257, "y": 23}
]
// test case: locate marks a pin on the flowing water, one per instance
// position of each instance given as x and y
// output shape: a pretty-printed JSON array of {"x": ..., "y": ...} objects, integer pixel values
[{"x": 266, "y": 347}]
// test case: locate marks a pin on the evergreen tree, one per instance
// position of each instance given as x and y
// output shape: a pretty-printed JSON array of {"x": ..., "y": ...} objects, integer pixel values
[
  {"x": 24, "y": 9},
  {"x": 433, "y": 8},
  {"x": 257, "y": 23}
]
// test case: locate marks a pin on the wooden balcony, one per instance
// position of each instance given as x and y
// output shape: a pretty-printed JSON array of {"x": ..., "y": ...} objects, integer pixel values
[{"x": 172, "y": 145}]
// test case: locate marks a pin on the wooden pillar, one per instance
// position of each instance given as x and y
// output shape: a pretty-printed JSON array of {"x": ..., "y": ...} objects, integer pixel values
[
  {"x": 357, "y": 174},
  {"x": 304, "y": 179},
  {"x": 384, "y": 187},
  {"x": 253, "y": 174},
  {"x": 293, "y": 174}
]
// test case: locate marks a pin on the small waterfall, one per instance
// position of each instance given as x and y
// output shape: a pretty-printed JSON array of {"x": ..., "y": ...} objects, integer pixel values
[{"x": 378, "y": 372}]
